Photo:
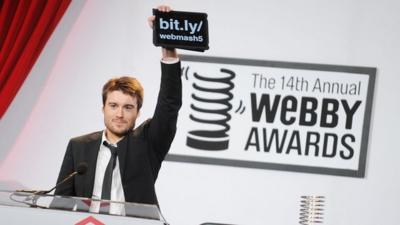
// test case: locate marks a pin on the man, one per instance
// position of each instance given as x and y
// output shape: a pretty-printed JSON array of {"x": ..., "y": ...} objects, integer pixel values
[{"x": 131, "y": 157}]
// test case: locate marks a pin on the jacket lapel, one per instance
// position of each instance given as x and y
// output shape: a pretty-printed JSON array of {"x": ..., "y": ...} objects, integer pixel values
[{"x": 91, "y": 153}]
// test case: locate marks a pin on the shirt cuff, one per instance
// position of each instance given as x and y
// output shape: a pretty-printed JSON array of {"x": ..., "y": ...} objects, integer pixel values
[{"x": 170, "y": 60}]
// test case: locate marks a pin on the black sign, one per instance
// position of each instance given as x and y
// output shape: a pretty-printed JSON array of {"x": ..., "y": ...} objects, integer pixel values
[{"x": 184, "y": 30}]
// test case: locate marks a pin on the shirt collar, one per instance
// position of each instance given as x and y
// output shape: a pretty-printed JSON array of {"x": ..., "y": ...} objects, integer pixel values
[{"x": 104, "y": 138}]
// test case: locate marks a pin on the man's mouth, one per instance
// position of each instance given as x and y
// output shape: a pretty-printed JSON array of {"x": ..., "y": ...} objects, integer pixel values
[{"x": 119, "y": 121}]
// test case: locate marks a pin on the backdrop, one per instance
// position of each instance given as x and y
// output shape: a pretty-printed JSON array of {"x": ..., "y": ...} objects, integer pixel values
[{"x": 96, "y": 40}]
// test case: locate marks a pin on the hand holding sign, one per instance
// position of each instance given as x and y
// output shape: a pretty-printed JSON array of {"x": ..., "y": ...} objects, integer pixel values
[{"x": 170, "y": 52}]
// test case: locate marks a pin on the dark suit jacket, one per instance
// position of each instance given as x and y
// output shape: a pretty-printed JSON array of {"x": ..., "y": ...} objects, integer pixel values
[{"x": 140, "y": 152}]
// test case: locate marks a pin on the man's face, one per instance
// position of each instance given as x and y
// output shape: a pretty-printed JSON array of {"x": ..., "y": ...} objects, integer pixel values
[{"x": 120, "y": 113}]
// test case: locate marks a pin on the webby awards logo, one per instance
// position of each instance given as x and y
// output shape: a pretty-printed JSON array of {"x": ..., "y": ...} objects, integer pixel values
[
  {"x": 298, "y": 117},
  {"x": 210, "y": 109}
]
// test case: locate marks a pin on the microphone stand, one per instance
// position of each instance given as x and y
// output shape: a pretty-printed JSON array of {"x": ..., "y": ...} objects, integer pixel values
[
  {"x": 34, "y": 196},
  {"x": 37, "y": 194}
]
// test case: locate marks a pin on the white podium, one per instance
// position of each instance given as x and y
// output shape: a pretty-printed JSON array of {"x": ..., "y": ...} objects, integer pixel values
[{"x": 29, "y": 208}]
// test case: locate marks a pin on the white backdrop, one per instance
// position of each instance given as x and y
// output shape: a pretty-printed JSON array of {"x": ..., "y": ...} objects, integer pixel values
[{"x": 97, "y": 40}]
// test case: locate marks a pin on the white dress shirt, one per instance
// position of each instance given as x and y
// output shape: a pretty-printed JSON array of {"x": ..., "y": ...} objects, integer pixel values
[{"x": 117, "y": 191}]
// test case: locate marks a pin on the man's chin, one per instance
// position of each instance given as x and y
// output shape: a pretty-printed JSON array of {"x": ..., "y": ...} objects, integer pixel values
[
  {"x": 122, "y": 133},
  {"x": 119, "y": 132}
]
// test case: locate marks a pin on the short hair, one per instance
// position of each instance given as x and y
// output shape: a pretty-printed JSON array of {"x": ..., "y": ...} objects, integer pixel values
[{"x": 128, "y": 85}]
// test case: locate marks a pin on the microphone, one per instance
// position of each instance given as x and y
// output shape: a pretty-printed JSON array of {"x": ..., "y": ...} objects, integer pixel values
[
  {"x": 80, "y": 170},
  {"x": 31, "y": 200}
]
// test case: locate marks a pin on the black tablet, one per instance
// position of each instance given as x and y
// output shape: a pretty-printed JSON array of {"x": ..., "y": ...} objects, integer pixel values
[{"x": 178, "y": 29}]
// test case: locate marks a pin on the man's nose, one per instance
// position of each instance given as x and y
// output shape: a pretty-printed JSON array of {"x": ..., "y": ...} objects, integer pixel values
[{"x": 120, "y": 112}]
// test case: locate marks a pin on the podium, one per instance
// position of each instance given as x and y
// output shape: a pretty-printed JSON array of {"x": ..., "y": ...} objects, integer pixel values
[{"x": 30, "y": 208}]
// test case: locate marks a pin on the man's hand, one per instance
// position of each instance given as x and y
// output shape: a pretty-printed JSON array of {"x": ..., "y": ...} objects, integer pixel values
[{"x": 170, "y": 53}]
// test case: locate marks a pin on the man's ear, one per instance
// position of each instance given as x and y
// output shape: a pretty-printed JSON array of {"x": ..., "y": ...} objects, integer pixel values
[{"x": 102, "y": 109}]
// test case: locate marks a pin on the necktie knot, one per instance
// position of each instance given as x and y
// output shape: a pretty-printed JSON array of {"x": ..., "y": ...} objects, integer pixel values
[{"x": 112, "y": 148}]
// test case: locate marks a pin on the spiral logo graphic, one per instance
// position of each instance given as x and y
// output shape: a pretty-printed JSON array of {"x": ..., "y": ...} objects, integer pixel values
[{"x": 210, "y": 111}]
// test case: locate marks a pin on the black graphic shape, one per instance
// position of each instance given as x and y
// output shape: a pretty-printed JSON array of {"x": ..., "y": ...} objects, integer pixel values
[
  {"x": 240, "y": 107},
  {"x": 185, "y": 71},
  {"x": 211, "y": 96}
]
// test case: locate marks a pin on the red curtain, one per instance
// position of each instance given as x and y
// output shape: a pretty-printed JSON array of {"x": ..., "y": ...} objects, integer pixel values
[{"x": 25, "y": 25}]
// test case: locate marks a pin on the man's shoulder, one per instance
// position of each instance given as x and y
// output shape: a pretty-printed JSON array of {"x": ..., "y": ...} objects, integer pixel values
[
  {"x": 87, "y": 137},
  {"x": 140, "y": 130}
]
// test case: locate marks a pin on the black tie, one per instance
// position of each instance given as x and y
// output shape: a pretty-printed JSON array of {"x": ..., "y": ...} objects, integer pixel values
[{"x": 106, "y": 192}]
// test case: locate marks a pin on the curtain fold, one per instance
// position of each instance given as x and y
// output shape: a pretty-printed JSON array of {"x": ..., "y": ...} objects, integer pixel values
[{"x": 26, "y": 26}]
